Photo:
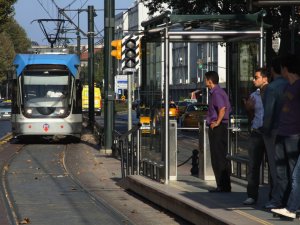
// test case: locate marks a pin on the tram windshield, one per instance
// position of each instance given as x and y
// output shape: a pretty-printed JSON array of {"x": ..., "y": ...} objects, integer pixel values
[{"x": 45, "y": 93}]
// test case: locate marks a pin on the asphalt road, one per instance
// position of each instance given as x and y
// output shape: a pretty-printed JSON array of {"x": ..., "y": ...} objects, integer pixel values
[{"x": 5, "y": 127}]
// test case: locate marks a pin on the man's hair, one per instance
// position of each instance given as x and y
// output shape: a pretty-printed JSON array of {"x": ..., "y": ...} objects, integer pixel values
[
  {"x": 263, "y": 71},
  {"x": 275, "y": 64},
  {"x": 213, "y": 76},
  {"x": 292, "y": 63}
]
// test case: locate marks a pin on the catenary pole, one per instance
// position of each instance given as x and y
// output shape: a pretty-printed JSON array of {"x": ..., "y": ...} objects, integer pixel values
[
  {"x": 91, "y": 66},
  {"x": 109, "y": 25}
]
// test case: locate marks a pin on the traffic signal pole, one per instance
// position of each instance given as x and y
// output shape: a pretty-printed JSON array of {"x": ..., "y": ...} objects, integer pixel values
[
  {"x": 109, "y": 25},
  {"x": 91, "y": 67}
]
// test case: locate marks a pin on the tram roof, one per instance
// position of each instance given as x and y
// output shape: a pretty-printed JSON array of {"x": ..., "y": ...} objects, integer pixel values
[
  {"x": 70, "y": 60},
  {"x": 227, "y": 27}
]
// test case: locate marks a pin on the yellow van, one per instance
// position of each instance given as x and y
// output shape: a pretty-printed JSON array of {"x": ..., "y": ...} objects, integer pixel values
[{"x": 97, "y": 102}]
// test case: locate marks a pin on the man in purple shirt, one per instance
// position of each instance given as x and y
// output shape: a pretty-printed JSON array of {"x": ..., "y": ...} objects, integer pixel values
[{"x": 217, "y": 120}]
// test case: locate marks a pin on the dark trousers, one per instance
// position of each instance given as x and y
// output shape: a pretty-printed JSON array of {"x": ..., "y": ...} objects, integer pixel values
[
  {"x": 218, "y": 151},
  {"x": 286, "y": 156},
  {"x": 256, "y": 153}
]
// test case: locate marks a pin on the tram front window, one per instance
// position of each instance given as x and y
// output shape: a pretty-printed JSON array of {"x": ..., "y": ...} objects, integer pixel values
[{"x": 46, "y": 95}]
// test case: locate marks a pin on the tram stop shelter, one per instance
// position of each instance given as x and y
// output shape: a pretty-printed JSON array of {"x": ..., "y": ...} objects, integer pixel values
[{"x": 237, "y": 33}]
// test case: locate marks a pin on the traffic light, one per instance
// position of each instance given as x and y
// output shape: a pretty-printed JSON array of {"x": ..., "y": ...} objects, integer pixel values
[
  {"x": 117, "y": 52},
  {"x": 130, "y": 54}
]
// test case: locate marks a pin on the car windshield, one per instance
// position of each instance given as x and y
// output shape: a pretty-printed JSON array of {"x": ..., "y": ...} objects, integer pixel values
[
  {"x": 171, "y": 105},
  {"x": 201, "y": 107},
  {"x": 145, "y": 111},
  {"x": 183, "y": 103},
  {"x": 5, "y": 105}
]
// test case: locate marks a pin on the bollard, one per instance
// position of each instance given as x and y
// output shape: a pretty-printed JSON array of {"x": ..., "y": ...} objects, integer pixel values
[{"x": 195, "y": 162}]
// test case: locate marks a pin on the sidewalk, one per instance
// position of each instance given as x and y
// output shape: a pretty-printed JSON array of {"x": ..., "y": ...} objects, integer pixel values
[{"x": 189, "y": 198}]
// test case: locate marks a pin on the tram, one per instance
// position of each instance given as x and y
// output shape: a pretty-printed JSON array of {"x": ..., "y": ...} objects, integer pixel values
[{"x": 46, "y": 96}]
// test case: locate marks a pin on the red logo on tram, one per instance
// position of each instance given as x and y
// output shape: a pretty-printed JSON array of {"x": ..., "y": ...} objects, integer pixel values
[{"x": 46, "y": 127}]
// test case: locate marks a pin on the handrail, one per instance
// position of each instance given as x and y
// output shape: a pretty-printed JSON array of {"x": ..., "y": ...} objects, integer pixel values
[
  {"x": 133, "y": 130},
  {"x": 128, "y": 147}
]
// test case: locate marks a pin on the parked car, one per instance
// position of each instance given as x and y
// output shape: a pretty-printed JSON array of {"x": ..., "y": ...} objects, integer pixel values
[
  {"x": 148, "y": 123},
  {"x": 182, "y": 105},
  {"x": 193, "y": 114},
  {"x": 173, "y": 111},
  {"x": 5, "y": 110},
  {"x": 145, "y": 120}
]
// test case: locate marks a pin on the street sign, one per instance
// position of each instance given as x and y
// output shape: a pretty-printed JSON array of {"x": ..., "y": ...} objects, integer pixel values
[
  {"x": 129, "y": 70},
  {"x": 121, "y": 82}
]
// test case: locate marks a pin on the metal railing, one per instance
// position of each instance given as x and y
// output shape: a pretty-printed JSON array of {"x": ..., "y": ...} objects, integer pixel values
[{"x": 127, "y": 145}]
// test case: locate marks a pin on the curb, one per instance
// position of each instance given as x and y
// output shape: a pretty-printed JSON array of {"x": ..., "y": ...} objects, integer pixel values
[
  {"x": 162, "y": 195},
  {"x": 5, "y": 138}
]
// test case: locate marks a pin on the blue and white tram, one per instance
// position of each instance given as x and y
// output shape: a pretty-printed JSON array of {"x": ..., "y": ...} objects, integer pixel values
[{"x": 46, "y": 97}]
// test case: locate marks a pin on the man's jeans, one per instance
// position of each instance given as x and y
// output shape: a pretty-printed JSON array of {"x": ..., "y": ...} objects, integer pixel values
[
  {"x": 286, "y": 156},
  {"x": 294, "y": 198}
]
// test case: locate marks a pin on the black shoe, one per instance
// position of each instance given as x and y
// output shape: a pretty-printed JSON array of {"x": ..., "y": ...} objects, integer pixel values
[
  {"x": 219, "y": 190},
  {"x": 249, "y": 201}
]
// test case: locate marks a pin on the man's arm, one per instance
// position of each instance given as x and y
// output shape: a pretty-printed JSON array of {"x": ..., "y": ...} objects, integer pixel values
[{"x": 221, "y": 114}]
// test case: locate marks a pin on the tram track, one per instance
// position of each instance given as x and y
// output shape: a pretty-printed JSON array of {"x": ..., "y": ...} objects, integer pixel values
[
  {"x": 6, "y": 155},
  {"x": 24, "y": 170},
  {"x": 95, "y": 176}
]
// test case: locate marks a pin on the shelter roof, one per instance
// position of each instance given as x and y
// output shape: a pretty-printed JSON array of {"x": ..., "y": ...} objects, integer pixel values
[{"x": 207, "y": 27}]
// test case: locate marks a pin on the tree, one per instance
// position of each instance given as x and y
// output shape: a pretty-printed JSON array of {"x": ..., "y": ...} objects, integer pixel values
[
  {"x": 279, "y": 17},
  {"x": 6, "y": 11},
  {"x": 7, "y": 54},
  {"x": 13, "y": 38},
  {"x": 18, "y": 36}
]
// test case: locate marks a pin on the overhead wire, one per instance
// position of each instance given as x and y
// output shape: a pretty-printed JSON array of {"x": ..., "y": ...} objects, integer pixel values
[{"x": 45, "y": 9}]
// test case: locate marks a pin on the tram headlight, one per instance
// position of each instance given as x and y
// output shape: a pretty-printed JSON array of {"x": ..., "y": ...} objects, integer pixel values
[
  {"x": 29, "y": 111},
  {"x": 61, "y": 111}
]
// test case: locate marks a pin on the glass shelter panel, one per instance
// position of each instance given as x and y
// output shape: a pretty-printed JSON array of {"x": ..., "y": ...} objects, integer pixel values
[
  {"x": 151, "y": 111},
  {"x": 243, "y": 62}
]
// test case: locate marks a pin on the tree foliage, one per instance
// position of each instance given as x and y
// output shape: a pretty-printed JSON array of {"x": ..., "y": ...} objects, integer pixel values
[
  {"x": 13, "y": 38},
  {"x": 7, "y": 54},
  {"x": 279, "y": 17},
  {"x": 6, "y": 11},
  {"x": 18, "y": 36}
]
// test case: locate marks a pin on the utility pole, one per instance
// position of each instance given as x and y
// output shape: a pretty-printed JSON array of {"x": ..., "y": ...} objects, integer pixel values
[
  {"x": 91, "y": 14},
  {"x": 109, "y": 25},
  {"x": 78, "y": 37}
]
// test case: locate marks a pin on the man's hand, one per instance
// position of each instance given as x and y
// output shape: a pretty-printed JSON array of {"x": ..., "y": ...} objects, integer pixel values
[{"x": 214, "y": 124}]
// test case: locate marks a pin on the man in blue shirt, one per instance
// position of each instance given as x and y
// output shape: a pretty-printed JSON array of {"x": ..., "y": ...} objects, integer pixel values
[
  {"x": 257, "y": 148},
  {"x": 273, "y": 101},
  {"x": 217, "y": 119}
]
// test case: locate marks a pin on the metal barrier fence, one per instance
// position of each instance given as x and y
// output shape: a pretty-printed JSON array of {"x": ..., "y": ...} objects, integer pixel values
[
  {"x": 127, "y": 145},
  {"x": 237, "y": 154}
]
